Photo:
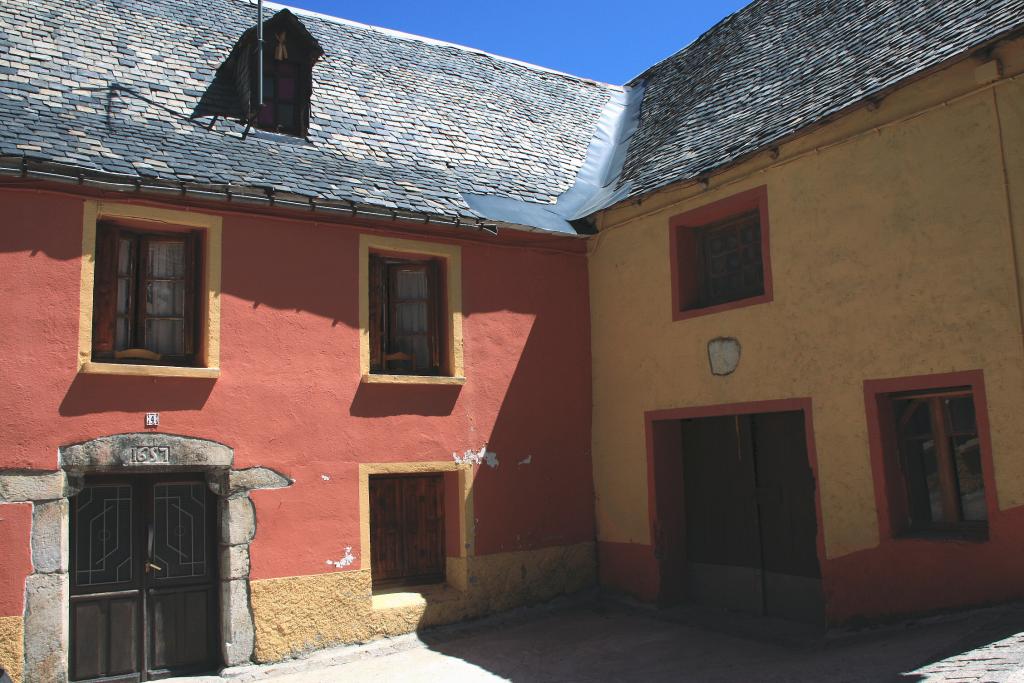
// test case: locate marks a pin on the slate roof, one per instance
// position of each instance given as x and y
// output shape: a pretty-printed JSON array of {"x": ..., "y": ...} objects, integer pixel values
[
  {"x": 414, "y": 125},
  {"x": 396, "y": 122},
  {"x": 777, "y": 66}
]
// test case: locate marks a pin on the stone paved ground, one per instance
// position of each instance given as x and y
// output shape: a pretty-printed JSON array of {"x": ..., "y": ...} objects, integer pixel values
[{"x": 596, "y": 641}]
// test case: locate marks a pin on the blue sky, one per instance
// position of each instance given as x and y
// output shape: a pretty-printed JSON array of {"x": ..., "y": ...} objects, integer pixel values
[{"x": 604, "y": 40}]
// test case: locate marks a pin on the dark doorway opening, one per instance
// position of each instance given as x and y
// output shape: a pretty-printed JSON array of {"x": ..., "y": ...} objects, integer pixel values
[
  {"x": 736, "y": 520},
  {"x": 143, "y": 578}
]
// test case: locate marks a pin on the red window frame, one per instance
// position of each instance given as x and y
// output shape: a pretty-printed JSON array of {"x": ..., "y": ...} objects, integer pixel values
[
  {"x": 891, "y": 494},
  {"x": 688, "y": 253}
]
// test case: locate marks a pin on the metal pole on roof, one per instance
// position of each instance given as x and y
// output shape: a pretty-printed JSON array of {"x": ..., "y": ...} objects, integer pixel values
[
  {"x": 259, "y": 56},
  {"x": 250, "y": 118}
]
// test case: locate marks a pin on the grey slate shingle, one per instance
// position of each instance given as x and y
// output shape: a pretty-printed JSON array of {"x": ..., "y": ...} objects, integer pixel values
[
  {"x": 408, "y": 124},
  {"x": 397, "y": 122},
  {"x": 779, "y": 65}
]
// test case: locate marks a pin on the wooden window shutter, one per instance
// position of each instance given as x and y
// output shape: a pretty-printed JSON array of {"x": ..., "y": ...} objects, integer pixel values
[
  {"x": 193, "y": 285},
  {"x": 104, "y": 305},
  {"x": 376, "y": 318},
  {"x": 407, "y": 532},
  {"x": 423, "y": 507},
  {"x": 437, "y": 300},
  {"x": 387, "y": 542}
]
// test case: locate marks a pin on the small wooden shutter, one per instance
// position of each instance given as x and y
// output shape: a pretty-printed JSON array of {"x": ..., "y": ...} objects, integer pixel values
[
  {"x": 376, "y": 321},
  {"x": 193, "y": 287},
  {"x": 424, "y": 527},
  {"x": 437, "y": 296},
  {"x": 388, "y": 560},
  {"x": 407, "y": 541},
  {"x": 104, "y": 305}
]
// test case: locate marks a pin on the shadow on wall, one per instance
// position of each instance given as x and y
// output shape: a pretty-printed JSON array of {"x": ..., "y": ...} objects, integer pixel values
[
  {"x": 293, "y": 265},
  {"x": 90, "y": 394},
  {"x": 276, "y": 267},
  {"x": 25, "y": 210},
  {"x": 540, "y": 493},
  {"x": 383, "y": 400},
  {"x": 528, "y": 367}
]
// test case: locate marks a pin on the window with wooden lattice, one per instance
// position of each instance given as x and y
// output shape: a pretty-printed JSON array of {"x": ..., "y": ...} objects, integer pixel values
[
  {"x": 729, "y": 260},
  {"x": 720, "y": 255}
]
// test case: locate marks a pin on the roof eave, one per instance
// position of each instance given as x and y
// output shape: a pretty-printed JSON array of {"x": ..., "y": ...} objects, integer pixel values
[
  {"x": 828, "y": 116},
  {"x": 30, "y": 168}
]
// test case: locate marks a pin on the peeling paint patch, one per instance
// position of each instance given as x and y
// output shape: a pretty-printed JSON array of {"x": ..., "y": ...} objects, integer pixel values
[
  {"x": 470, "y": 457},
  {"x": 346, "y": 560},
  {"x": 325, "y": 477},
  {"x": 527, "y": 460},
  {"x": 483, "y": 456}
]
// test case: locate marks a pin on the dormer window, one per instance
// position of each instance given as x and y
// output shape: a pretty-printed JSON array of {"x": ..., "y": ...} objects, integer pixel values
[
  {"x": 287, "y": 83},
  {"x": 289, "y": 53}
]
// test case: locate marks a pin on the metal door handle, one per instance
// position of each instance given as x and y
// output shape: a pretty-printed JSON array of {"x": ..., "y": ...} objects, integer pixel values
[{"x": 149, "y": 566}]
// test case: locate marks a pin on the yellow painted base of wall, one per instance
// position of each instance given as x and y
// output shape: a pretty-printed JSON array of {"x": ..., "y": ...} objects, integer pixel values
[
  {"x": 12, "y": 652},
  {"x": 297, "y": 614}
]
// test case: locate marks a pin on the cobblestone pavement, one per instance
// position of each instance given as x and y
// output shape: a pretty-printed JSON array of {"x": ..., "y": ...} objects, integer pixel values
[{"x": 611, "y": 642}]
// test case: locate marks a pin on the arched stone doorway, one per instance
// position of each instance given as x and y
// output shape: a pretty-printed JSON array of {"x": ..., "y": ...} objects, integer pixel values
[{"x": 47, "y": 589}]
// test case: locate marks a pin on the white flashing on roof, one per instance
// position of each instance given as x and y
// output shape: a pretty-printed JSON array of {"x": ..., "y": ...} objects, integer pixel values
[
  {"x": 597, "y": 183},
  {"x": 429, "y": 41}
]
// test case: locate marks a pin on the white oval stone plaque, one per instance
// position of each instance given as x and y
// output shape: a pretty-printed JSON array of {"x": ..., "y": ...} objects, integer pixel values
[{"x": 724, "y": 355}]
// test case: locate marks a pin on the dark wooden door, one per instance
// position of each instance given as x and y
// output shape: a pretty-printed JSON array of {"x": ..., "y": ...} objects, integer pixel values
[
  {"x": 751, "y": 520},
  {"x": 722, "y": 546},
  {"x": 407, "y": 529},
  {"x": 143, "y": 579},
  {"x": 788, "y": 520}
]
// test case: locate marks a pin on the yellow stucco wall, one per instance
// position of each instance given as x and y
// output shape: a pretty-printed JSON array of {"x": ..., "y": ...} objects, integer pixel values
[
  {"x": 11, "y": 649},
  {"x": 892, "y": 255},
  {"x": 298, "y": 614}
]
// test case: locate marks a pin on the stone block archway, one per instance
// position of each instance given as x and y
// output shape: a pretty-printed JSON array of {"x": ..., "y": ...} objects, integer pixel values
[{"x": 47, "y": 594}]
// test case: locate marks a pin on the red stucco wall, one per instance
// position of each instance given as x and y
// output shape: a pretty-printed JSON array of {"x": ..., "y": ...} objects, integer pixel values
[
  {"x": 289, "y": 395},
  {"x": 910, "y": 576},
  {"x": 898, "y": 577}
]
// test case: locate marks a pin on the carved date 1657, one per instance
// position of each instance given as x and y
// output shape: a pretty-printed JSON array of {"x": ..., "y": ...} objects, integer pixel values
[{"x": 147, "y": 455}]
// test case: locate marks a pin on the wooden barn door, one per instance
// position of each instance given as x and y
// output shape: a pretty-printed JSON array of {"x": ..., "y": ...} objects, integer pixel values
[
  {"x": 722, "y": 547},
  {"x": 143, "y": 579},
  {"x": 750, "y": 516},
  {"x": 787, "y": 518}
]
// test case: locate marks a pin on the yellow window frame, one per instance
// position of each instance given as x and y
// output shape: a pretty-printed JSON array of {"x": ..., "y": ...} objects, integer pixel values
[
  {"x": 451, "y": 256},
  {"x": 209, "y": 323}
]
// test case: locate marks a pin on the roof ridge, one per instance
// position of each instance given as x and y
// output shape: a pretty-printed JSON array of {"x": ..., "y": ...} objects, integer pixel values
[
  {"x": 402, "y": 35},
  {"x": 715, "y": 27}
]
